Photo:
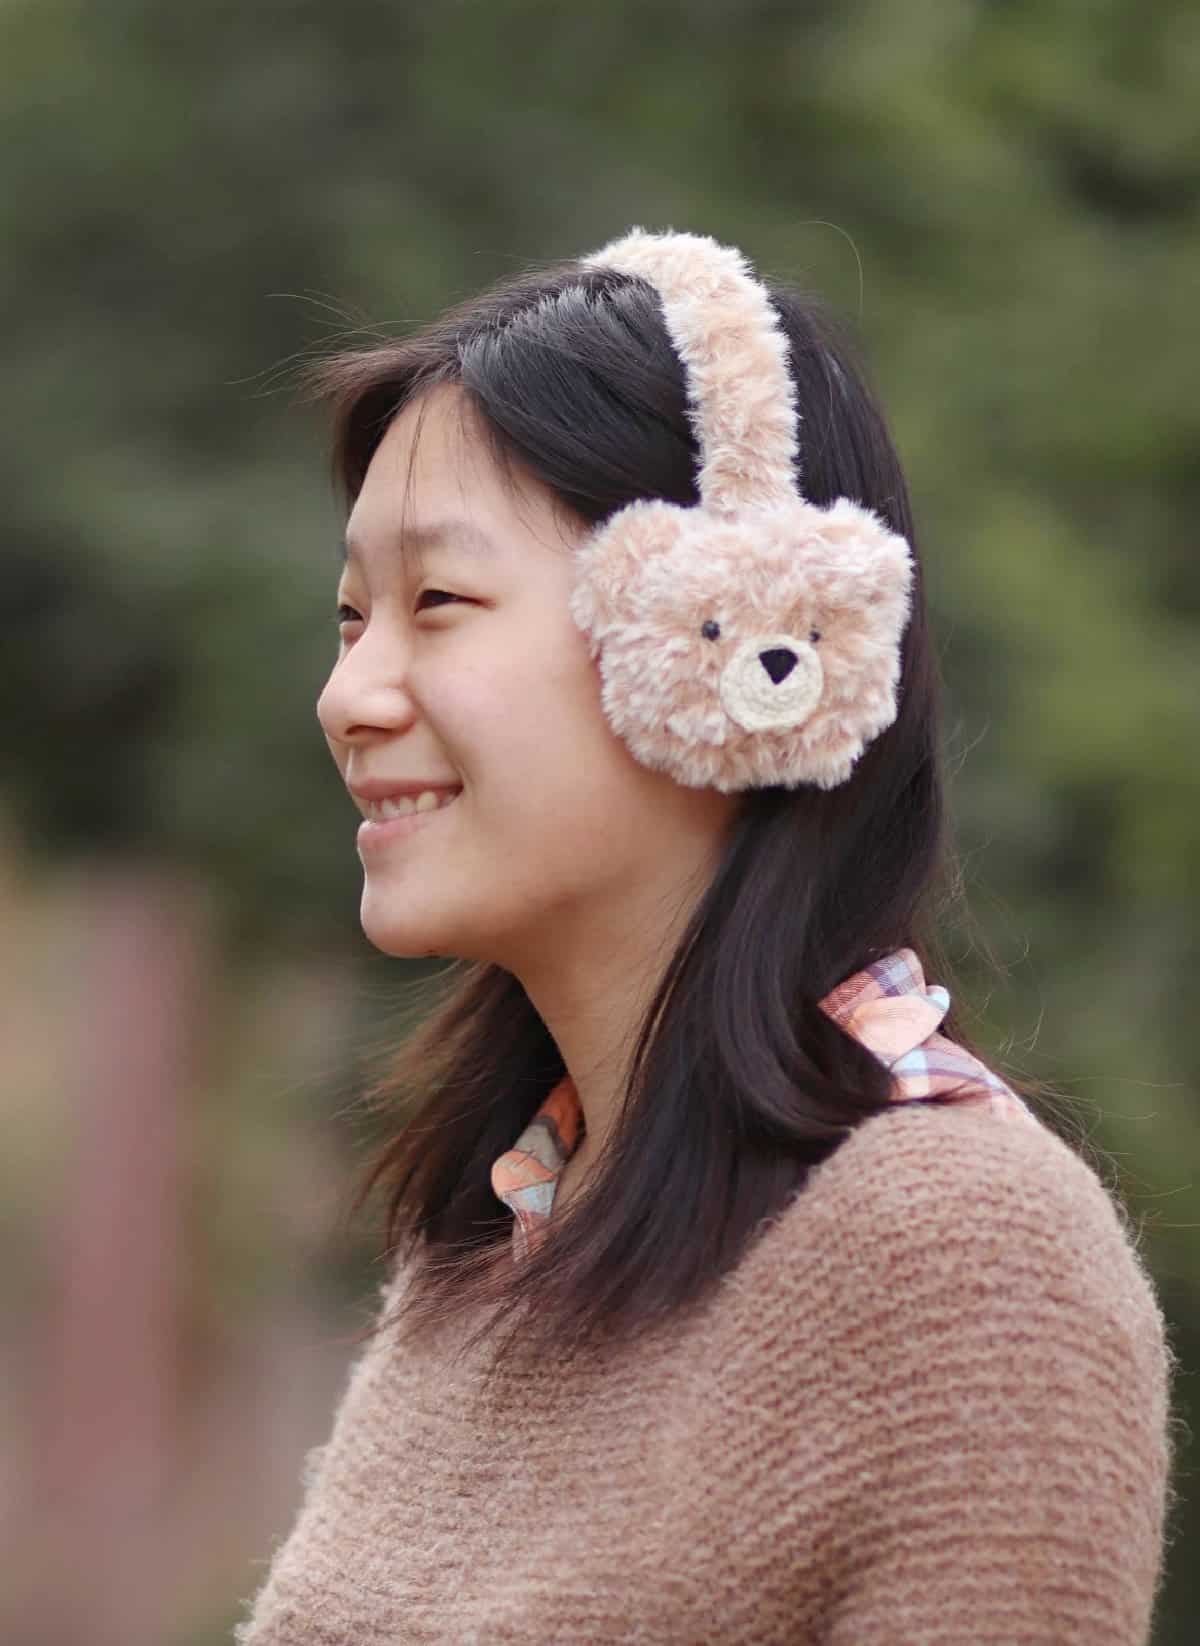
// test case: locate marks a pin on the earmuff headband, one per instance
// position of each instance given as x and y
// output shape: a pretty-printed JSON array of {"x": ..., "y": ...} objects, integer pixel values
[
  {"x": 752, "y": 639},
  {"x": 724, "y": 328}
]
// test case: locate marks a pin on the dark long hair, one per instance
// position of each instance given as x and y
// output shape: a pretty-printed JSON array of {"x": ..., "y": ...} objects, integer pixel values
[{"x": 739, "y": 1083}]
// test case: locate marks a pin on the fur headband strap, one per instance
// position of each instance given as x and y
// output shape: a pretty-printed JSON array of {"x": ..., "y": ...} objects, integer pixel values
[
  {"x": 752, "y": 639},
  {"x": 741, "y": 399}
]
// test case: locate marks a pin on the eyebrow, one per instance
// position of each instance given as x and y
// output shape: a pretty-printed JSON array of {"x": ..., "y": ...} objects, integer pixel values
[{"x": 456, "y": 534}]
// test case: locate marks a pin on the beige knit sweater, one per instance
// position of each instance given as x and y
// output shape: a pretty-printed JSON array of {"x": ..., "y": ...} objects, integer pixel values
[{"x": 930, "y": 1405}]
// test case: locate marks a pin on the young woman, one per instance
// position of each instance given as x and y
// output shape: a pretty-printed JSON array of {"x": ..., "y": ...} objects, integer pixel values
[{"x": 730, "y": 1297}]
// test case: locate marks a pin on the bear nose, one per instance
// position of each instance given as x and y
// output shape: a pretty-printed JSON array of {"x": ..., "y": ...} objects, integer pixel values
[{"x": 778, "y": 662}]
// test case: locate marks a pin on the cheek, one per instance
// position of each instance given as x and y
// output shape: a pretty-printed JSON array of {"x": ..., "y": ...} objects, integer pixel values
[
  {"x": 534, "y": 742},
  {"x": 525, "y": 726},
  {"x": 593, "y": 807}
]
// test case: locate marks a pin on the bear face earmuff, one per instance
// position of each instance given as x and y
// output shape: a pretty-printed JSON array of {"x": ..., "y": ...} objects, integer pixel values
[{"x": 752, "y": 639}]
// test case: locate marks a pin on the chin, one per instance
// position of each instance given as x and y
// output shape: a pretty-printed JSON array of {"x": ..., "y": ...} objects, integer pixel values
[
  {"x": 409, "y": 948},
  {"x": 393, "y": 925},
  {"x": 409, "y": 951},
  {"x": 412, "y": 938},
  {"x": 402, "y": 939}
]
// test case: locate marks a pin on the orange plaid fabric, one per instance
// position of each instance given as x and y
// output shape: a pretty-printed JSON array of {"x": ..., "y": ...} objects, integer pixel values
[{"x": 887, "y": 1006}]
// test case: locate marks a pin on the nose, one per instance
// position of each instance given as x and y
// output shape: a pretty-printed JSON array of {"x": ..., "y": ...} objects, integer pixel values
[
  {"x": 367, "y": 691},
  {"x": 779, "y": 662}
]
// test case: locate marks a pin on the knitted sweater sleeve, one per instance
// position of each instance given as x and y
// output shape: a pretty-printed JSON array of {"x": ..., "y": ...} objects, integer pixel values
[{"x": 1004, "y": 1382}]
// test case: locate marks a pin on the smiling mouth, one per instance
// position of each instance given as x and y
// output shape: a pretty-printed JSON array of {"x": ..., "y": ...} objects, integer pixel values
[
  {"x": 382, "y": 832},
  {"x": 429, "y": 800}
]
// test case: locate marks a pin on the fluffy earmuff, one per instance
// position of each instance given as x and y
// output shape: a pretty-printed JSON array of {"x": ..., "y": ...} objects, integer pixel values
[{"x": 752, "y": 639}]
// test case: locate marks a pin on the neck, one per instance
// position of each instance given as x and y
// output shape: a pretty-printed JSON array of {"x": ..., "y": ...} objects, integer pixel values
[{"x": 592, "y": 987}]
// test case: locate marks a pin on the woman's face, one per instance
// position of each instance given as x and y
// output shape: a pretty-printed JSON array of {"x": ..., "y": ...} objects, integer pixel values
[{"x": 459, "y": 664}]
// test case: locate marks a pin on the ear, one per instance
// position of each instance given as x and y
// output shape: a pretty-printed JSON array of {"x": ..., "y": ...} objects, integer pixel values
[{"x": 614, "y": 577}]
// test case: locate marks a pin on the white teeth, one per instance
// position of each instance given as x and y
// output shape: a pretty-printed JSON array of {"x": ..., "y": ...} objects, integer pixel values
[{"x": 428, "y": 800}]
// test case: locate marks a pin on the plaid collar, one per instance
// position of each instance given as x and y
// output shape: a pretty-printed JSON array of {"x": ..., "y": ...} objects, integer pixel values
[{"x": 887, "y": 1006}]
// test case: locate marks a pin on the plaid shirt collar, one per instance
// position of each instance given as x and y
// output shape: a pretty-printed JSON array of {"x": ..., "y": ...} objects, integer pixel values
[{"x": 887, "y": 1006}]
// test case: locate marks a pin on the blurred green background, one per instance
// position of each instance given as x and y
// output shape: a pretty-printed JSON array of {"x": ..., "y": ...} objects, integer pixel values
[{"x": 1003, "y": 197}]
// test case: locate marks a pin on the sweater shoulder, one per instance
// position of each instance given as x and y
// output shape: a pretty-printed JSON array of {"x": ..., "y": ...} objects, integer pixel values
[
  {"x": 932, "y": 1214},
  {"x": 962, "y": 1300},
  {"x": 962, "y": 1172}
]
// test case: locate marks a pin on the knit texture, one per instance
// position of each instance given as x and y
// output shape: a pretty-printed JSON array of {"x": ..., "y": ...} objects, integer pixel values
[{"x": 929, "y": 1405}]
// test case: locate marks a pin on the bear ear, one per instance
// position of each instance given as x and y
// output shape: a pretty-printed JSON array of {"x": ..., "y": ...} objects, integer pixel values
[{"x": 611, "y": 584}]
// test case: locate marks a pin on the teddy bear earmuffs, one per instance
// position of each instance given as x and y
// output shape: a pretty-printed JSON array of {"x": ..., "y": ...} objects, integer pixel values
[{"x": 752, "y": 639}]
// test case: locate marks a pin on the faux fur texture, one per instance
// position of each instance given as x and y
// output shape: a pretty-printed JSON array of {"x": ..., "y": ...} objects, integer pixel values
[{"x": 753, "y": 639}]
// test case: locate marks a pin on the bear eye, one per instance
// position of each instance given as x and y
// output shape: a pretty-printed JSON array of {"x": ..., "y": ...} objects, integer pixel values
[
  {"x": 711, "y": 630},
  {"x": 814, "y": 635}
]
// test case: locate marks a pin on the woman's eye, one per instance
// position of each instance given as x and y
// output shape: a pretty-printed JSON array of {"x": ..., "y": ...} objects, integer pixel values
[{"x": 347, "y": 614}]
